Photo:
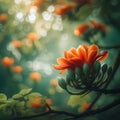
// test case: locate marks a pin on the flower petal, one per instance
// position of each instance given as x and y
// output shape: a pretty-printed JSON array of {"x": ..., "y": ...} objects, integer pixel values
[
  {"x": 92, "y": 56},
  {"x": 76, "y": 61},
  {"x": 68, "y": 54},
  {"x": 63, "y": 61},
  {"x": 93, "y": 47},
  {"x": 73, "y": 50},
  {"x": 102, "y": 55},
  {"x": 63, "y": 71},
  {"x": 82, "y": 53},
  {"x": 58, "y": 67},
  {"x": 65, "y": 54}
]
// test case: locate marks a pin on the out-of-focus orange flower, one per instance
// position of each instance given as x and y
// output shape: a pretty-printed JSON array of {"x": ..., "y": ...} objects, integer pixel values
[
  {"x": 49, "y": 101},
  {"x": 85, "y": 106},
  {"x": 36, "y": 102},
  {"x": 81, "y": 29},
  {"x": 37, "y": 3},
  {"x": 64, "y": 9},
  {"x": 3, "y": 17},
  {"x": 60, "y": 2},
  {"x": 54, "y": 82},
  {"x": 7, "y": 61},
  {"x": 35, "y": 76},
  {"x": 77, "y": 57},
  {"x": 17, "y": 43},
  {"x": 17, "y": 69},
  {"x": 99, "y": 25},
  {"x": 33, "y": 37}
]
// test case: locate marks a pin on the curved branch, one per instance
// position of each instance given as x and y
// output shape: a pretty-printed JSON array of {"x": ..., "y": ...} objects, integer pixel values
[
  {"x": 100, "y": 110},
  {"x": 84, "y": 114},
  {"x": 105, "y": 91},
  {"x": 109, "y": 47}
]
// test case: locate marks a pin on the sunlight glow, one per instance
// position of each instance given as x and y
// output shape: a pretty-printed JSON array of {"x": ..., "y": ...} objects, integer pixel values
[
  {"x": 19, "y": 16},
  {"x": 43, "y": 32},
  {"x": 51, "y": 8},
  {"x": 17, "y": 1},
  {"x": 47, "y": 16},
  {"x": 31, "y": 18},
  {"x": 40, "y": 65}
]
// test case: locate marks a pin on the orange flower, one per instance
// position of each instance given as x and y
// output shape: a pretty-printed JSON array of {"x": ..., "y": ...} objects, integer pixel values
[
  {"x": 3, "y": 17},
  {"x": 17, "y": 69},
  {"x": 35, "y": 76},
  {"x": 81, "y": 29},
  {"x": 37, "y": 3},
  {"x": 54, "y": 82},
  {"x": 7, "y": 61},
  {"x": 77, "y": 57},
  {"x": 85, "y": 106},
  {"x": 99, "y": 25},
  {"x": 32, "y": 37},
  {"x": 64, "y": 9},
  {"x": 36, "y": 102},
  {"x": 49, "y": 101},
  {"x": 60, "y": 2},
  {"x": 17, "y": 43}
]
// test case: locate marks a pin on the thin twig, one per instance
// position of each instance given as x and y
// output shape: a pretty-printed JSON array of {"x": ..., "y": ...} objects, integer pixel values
[{"x": 48, "y": 107}]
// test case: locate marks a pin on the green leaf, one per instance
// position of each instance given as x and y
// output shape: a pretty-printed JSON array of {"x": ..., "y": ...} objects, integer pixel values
[
  {"x": 70, "y": 75},
  {"x": 76, "y": 100},
  {"x": 62, "y": 83},
  {"x": 3, "y": 97},
  {"x": 33, "y": 95},
  {"x": 5, "y": 112},
  {"x": 25, "y": 91},
  {"x": 20, "y": 105},
  {"x": 17, "y": 96}
]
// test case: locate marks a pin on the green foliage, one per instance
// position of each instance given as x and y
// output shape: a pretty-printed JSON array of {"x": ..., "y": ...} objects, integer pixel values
[
  {"x": 3, "y": 97},
  {"x": 75, "y": 100},
  {"x": 20, "y": 104}
]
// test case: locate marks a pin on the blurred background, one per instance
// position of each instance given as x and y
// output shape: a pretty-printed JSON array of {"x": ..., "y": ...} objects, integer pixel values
[{"x": 34, "y": 33}]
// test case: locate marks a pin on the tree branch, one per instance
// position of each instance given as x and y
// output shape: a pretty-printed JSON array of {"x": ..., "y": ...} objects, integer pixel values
[
  {"x": 72, "y": 115},
  {"x": 105, "y": 91}
]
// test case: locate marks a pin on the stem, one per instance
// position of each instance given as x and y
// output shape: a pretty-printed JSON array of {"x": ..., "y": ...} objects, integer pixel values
[{"x": 115, "y": 67}]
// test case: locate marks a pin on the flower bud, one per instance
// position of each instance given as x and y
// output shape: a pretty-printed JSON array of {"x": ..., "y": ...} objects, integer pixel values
[
  {"x": 96, "y": 67},
  {"x": 70, "y": 75},
  {"x": 78, "y": 73},
  {"x": 104, "y": 68},
  {"x": 62, "y": 83},
  {"x": 109, "y": 70},
  {"x": 86, "y": 69}
]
